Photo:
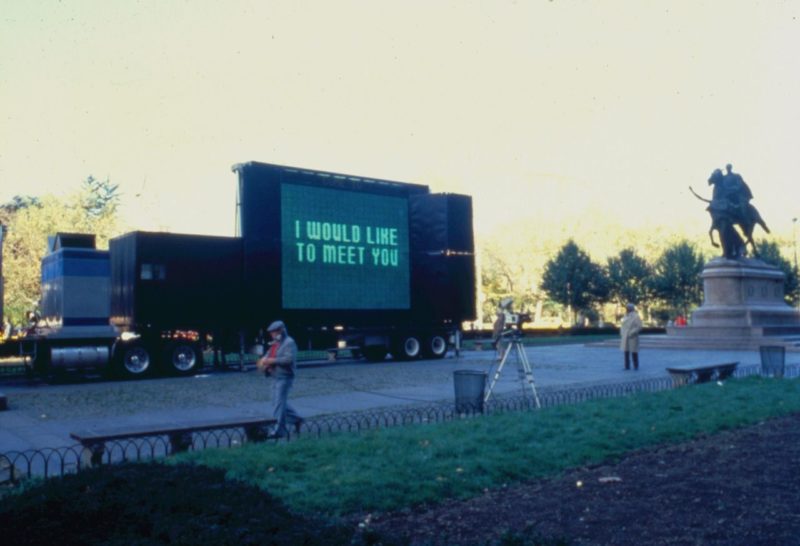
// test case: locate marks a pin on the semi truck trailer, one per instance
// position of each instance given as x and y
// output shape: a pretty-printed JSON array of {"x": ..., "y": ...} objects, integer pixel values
[{"x": 380, "y": 266}]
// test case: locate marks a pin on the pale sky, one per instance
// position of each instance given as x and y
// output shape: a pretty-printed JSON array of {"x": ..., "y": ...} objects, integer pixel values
[{"x": 559, "y": 110}]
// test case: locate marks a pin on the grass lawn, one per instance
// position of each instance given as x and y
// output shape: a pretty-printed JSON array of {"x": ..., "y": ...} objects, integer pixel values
[{"x": 399, "y": 467}]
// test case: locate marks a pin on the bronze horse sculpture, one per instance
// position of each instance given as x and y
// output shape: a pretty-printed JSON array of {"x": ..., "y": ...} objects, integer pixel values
[{"x": 728, "y": 207}]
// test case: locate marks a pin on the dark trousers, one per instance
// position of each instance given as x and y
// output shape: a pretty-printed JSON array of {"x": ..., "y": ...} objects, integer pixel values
[{"x": 628, "y": 360}]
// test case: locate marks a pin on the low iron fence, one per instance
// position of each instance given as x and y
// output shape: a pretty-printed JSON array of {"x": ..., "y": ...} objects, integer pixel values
[{"x": 17, "y": 465}]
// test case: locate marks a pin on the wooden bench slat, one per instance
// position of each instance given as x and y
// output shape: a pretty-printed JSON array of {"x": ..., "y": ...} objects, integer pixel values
[
  {"x": 140, "y": 432},
  {"x": 180, "y": 435}
]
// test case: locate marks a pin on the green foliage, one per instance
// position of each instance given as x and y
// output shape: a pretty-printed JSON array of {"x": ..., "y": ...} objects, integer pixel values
[
  {"x": 17, "y": 203},
  {"x": 574, "y": 280},
  {"x": 770, "y": 252},
  {"x": 31, "y": 220},
  {"x": 567, "y": 338},
  {"x": 100, "y": 197},
  {"x": 501, "y": 277},
  {"x": 676, "y": 277},
  {"x": 628, "y": 275},
  {"x": 400, "y": 467}
]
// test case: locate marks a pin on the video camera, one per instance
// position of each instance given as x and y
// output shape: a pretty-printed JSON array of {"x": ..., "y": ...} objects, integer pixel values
[
  {"x": 509, "y": 319},
  {"x": 517, "y": 319}
]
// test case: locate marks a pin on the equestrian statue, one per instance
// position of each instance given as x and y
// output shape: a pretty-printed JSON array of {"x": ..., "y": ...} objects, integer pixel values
[{"x": 730, "y": 206}]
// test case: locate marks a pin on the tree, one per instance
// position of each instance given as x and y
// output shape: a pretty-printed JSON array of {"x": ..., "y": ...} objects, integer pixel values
[
  {"x": 770, "y": 253},
  {"x": 676, "y": 277},
  {"x": 17, "y": 203},
  {"x": 99, "y": 197},
  {"x": 628, "y": 275},
  {"x": 573, "y": 280},
  {"x": 31, "y": 220},
  {"x": 506, "y": 270}
]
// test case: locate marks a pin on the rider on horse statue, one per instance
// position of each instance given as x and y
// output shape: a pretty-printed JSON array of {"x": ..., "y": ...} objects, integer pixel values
[
  {"x": 732, "y": 195},
  {"x": 730, "y": 206}
]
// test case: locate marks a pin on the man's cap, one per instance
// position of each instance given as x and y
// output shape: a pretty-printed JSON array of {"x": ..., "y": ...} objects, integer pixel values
[
  {"x": 630, "y": 307},
  {"x": 277, "y": 325}
]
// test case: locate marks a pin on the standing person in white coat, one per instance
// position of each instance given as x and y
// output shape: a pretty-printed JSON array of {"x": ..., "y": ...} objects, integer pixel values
[{"x": 629, "y": 334}]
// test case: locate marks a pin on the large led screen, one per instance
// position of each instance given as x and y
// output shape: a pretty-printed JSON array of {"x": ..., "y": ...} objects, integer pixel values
[{"x": 343, "y": 249}]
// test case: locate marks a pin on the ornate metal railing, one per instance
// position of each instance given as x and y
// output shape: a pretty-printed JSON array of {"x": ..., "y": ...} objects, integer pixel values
[{"x": 17, "y": 465}]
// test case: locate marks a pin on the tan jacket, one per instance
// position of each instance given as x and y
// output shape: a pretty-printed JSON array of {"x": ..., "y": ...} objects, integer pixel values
[{"x": 629, "y": 332}]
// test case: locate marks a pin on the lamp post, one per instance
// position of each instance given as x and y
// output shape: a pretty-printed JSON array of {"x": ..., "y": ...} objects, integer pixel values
[{"x": 794, "y": 240}]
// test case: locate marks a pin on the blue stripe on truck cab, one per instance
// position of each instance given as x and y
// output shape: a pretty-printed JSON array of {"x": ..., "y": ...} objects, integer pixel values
[{"x": 71, "y": 262}]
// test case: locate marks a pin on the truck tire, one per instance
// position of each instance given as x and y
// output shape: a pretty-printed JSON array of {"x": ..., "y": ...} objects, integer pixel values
[
  {"x": 375, "y": 353},
  {"x": 183, "y": 358},
  {"x": 407, "y": 348},
  {"x": 133, "y": 360},
  {"x": 435, "y": 347}
]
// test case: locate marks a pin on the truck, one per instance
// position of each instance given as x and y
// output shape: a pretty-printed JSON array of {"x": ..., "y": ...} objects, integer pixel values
[{"x": 378, "y": 266}]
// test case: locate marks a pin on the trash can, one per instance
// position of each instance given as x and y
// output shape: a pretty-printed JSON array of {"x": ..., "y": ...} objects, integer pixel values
[
  {"x": 470, "y": 386},
  {"x": 773, "y": 360}
]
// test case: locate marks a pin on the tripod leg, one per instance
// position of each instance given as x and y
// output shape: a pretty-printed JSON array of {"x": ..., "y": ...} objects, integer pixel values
[
  {"x": 528, "y": 374},
  {"x": 497, "y": 374}
]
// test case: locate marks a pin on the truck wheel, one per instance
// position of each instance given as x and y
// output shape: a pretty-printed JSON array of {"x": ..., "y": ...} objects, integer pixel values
[
  {"x": 134, "y": 360},
  {"x": 183, "y": 358},
  {"x": 436, "y": 347},
  {"x": 408, "y": 348},
  {"x": 375, "y": 353}
]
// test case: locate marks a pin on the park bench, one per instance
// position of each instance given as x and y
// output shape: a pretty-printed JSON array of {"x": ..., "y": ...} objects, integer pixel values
[
  {"x": 179, "y": 434},
  {"x": 685, "y": 375},
  {"x": 333, "y": 352}
]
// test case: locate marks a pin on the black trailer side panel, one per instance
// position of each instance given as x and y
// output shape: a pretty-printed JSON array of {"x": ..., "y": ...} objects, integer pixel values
[
  {"x": 124, "y": 273},
  {"x": 443, "y": 280},
  {"x": 165, "y": 281},
  {"x": 441, "y": 222},
  {"x": 444, "y": 287},
  {"x": 259, "y": 224}
]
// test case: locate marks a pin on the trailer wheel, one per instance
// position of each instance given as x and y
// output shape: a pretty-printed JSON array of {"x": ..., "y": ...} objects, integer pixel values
[
  {"x": 134, "y": 360},
  {"x": 375, "y": 353},
  {"x": 183, "y": 358},
  {"x": 407, "y": 348},
  {"x": 436, "y": 347}
]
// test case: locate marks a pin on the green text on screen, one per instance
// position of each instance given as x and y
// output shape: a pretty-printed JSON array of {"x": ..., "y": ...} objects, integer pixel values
[{"x": 343, "y": 249}]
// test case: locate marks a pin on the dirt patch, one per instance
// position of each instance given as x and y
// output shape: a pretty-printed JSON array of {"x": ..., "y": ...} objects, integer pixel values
[{"x": 737, "y": 487}]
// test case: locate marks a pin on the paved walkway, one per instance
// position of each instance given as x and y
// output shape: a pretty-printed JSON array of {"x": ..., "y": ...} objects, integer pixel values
[{"x": 554, "y": 367}]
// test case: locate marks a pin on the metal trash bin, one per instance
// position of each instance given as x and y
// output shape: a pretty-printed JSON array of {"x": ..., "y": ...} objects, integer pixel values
[
  {"x": 470, "y": 386},
  {"x": 773, "y": 360}
]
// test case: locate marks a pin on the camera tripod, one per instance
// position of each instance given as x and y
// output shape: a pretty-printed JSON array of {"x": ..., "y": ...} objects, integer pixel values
[{"x": 523, "y": 366}]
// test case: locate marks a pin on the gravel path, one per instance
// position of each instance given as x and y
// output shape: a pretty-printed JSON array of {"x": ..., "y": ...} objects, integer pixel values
[{"x": 223, "y": 389}]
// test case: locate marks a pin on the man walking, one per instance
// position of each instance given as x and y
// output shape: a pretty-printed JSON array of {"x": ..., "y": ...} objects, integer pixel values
[
  {"x": 629, "y": 333},
  {"x": 281, "y": 363}
]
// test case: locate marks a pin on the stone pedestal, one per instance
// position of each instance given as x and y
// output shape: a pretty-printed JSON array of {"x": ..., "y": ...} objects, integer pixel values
[{"x": 743, "y": 304}]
